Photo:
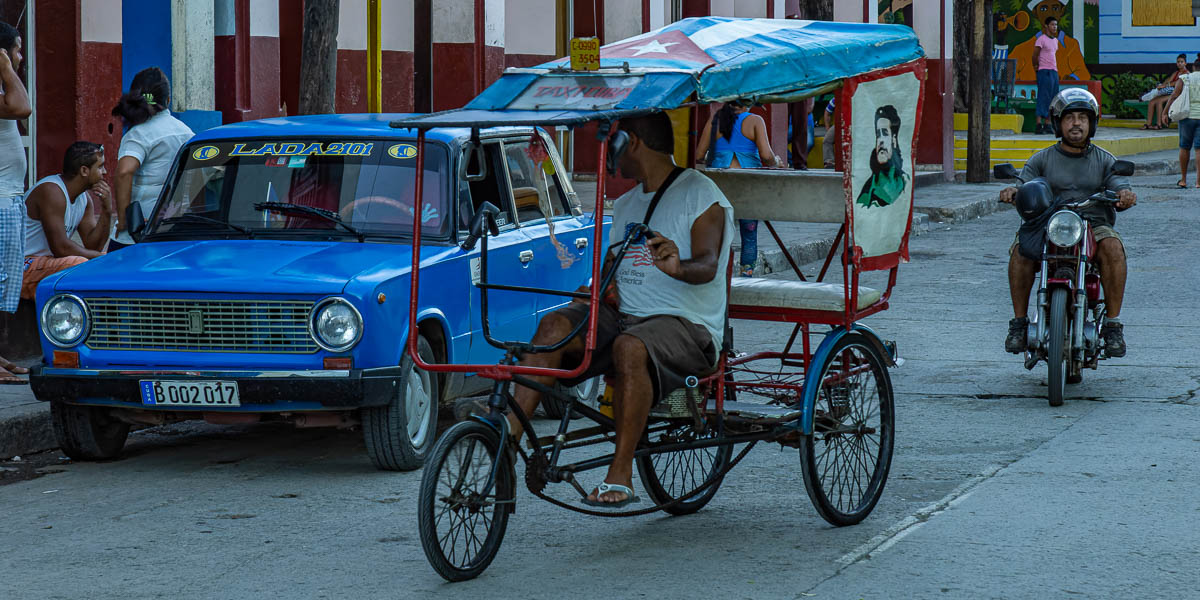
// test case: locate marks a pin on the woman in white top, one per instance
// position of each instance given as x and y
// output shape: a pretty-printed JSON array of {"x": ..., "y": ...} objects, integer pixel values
[
  {"x": 1189, "y": 128},
  {"x": 148, "y": 147}
]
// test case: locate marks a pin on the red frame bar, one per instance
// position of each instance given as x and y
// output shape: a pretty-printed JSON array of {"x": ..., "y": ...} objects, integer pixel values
[{"x": 497, "y": 371}]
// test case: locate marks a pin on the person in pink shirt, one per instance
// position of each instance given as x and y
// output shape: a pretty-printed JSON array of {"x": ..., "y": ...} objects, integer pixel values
[{"x": 1044, "y": 59}]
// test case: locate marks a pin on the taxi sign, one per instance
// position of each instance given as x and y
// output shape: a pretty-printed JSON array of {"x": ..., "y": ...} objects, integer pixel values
[{"x": 585, "y": 54}]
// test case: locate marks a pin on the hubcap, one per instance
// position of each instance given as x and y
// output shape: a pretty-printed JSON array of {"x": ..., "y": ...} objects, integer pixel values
[{"x": 417, "y": 404}]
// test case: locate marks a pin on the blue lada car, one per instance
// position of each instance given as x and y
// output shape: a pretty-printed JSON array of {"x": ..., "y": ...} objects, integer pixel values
[{"x": 275, "y": 271}]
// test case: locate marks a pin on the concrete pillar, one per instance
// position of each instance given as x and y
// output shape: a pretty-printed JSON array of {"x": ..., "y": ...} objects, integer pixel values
[{"x": 193, "y": 99}]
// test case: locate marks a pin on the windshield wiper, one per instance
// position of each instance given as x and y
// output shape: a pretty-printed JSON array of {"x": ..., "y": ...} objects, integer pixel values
[
  {"x": 195, "y": 218},
  {"x": 328, "y": 215}
]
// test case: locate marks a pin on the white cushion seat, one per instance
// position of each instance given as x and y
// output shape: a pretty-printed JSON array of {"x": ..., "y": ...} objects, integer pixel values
[{"x": 805, "y": 295}]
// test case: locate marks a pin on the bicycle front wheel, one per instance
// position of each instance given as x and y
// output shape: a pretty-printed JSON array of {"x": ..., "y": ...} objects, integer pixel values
[{"x": 461, "y": 523}]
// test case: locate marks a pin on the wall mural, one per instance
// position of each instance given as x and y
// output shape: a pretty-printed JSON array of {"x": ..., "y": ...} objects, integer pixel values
[{"x": 1018, "y": 23}]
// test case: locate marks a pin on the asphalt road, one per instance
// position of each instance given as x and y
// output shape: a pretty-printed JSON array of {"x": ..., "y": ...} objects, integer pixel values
[{"x": 992, "y": 492}]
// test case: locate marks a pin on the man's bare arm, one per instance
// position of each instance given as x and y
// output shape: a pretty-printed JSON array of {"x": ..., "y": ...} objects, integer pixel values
[
  {"x": 14, "y": 102},
  {"x": 94, "y": 229},
  {"x": 50, "y": 207},
  {"x": 707, "y": 234}
]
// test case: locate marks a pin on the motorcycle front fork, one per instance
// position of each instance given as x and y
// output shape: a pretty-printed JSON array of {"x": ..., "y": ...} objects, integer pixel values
[{"x": 1085, "y": 340}]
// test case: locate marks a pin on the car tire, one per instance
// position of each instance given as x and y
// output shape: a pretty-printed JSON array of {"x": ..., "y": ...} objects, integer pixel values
[
  {"x": 86, "y": 432},
  {"x": 586, "y": 392},
  {"x": 399, "y": 435}
]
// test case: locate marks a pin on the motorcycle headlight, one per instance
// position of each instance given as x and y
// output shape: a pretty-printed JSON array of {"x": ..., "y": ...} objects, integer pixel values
[
  {"x": 335, "y": 325},
  {"x": 64, "y": 320},
  {"x": 1065, "y": 229}
]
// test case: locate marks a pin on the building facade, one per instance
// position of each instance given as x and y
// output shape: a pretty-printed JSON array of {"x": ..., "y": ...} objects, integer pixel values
[{"x": 237, "y": 60}]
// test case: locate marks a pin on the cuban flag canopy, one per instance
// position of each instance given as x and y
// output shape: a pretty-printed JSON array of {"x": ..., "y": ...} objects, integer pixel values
[{"x": 705, "y": 59}]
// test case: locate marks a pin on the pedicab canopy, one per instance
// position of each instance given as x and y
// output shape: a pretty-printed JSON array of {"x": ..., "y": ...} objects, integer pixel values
[
  {"x": 702, "y": 60},
  {"x": 876, "y": 71}
]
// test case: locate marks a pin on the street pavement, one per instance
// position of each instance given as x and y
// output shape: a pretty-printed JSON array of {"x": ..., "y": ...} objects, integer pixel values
[{"x": 992, "y": 494}]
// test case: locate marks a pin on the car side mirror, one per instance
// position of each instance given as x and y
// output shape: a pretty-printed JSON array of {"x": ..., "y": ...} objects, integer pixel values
[
  {"x": 484, "y": 217},
  {"x": 1004, "y": 171},
  {"x": 135, "y": 221},
  {"x": 1124, "y": 168},
  {"x": 473, "y": 155}
]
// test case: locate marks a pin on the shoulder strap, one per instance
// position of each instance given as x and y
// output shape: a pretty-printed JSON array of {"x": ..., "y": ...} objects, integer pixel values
[{"x": 662, "y": 189}]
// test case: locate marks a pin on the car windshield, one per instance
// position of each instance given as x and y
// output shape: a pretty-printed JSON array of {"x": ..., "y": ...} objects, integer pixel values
[{"x": 271, "y": 187}]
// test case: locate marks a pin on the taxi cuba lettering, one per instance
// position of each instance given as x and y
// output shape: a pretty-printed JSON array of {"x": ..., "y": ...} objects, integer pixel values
[
  {"x": 587, "y": 91},
  {"x": 301, "y": 149}
]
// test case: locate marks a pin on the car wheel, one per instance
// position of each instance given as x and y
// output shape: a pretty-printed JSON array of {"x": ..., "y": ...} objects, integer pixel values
[
  {"x": 86, "y": 432},
  {"x": 586, "y": 393},
  {"x": 399, "y": 435}
]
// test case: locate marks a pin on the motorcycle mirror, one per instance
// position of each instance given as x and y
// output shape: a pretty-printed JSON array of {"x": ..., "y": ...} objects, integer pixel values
[
  {"x": 1004, "y": 171},
  {"x": 1123, "y": 168}
]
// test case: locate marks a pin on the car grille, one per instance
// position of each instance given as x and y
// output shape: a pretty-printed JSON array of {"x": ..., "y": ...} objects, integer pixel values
[{"x": 258, "y": 326}]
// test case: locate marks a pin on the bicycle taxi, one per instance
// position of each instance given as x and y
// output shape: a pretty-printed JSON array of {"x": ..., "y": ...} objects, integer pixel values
[{"x": 833, "y": 402}]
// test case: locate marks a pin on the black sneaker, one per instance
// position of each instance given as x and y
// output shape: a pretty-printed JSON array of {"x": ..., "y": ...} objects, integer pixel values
[
  {"x": 1018, "y": 329},
  {"x": 1113, "y": 335}
]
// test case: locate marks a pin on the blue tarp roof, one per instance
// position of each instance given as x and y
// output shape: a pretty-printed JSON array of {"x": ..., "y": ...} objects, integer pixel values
[{"x": 706, "y": 59}]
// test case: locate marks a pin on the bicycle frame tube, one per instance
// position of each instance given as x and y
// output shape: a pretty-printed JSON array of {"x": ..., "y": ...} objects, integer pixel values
[{"x": 495, "y": 371}]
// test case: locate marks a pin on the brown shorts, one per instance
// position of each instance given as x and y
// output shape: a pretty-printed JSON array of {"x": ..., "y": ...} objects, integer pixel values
[{"x": 678, "y": 348}]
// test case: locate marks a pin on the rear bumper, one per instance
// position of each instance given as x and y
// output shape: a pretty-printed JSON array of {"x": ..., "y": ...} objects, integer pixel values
[{"x": 260, "y": 391}]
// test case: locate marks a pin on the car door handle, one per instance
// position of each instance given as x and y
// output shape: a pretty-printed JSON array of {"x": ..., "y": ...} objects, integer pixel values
[
  {"x": 581, "y": 243},
  {"x": 526, "y": 256}
]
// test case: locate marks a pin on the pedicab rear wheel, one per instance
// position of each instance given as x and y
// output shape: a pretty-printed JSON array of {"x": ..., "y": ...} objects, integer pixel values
[
  {"x": 845, "y": 462},
  {"x": 673, "y": 475},
  {"x": 461, "y": 528}
]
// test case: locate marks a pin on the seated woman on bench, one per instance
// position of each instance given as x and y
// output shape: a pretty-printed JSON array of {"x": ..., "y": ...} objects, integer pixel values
[{"x": 1159, "y": 96}]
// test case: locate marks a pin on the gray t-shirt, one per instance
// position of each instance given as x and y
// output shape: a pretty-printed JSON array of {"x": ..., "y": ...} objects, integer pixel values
[
  {"x": 645, "y": 290},
  {"x": 1074, "y": 177}
]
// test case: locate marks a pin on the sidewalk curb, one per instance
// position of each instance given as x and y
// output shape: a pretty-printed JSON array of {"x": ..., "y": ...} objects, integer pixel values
[
  {"x": 26, "y": 430},
  {"x": 923, "y": 221}
]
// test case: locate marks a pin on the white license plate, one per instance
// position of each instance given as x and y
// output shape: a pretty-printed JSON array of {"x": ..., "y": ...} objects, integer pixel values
[{"x": 199, "y": 394}]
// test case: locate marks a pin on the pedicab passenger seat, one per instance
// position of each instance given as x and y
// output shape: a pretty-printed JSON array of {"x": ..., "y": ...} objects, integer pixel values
[
  {"x": 802, "y": 295},
  {"x": 798, "y": 196}
]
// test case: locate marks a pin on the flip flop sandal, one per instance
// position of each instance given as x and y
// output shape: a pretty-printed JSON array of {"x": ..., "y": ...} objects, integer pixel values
[
  {"x": 604, "y": 488},
  {"x": 1181, "y": 184}
]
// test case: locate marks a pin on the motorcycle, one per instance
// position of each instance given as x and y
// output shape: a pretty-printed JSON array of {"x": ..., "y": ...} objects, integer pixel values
[{"x": 1069, "y": 312}]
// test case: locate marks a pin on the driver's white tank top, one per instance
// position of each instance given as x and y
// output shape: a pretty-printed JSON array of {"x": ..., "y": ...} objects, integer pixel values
[{"x": 36, "y": 243}]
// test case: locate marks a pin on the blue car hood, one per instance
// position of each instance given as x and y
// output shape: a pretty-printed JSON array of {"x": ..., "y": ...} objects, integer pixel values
[{"x": 237, "y": 266}]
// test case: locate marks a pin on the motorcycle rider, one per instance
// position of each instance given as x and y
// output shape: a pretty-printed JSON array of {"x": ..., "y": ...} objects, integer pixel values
[{"x": 1075, "y": 169}]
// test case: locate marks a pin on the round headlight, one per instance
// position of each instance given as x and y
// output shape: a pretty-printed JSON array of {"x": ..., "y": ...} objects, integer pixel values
[
  {"x": 336, "y": 325},
  {"x": 64, "y": 320},
  {"x": 1065, "y": 229}
]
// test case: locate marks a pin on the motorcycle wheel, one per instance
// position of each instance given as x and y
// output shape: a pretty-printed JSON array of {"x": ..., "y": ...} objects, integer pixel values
[{"x": 1058, "y": 351}]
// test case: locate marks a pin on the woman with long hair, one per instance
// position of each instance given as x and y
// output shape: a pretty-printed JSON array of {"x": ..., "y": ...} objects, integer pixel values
[
  {"x": 1157, "y": 97},
  {"x": 152, "y": 137},
  {"x": 742, "y": 144}
]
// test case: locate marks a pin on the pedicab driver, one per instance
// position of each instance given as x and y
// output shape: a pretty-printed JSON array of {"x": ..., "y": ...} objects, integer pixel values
[
  {"x": 1075, "y": 169},
  {"x": 666, "y": 319}
]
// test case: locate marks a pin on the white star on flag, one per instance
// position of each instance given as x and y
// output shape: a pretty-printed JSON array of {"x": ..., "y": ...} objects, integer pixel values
[{"x": 652, "y": 47}]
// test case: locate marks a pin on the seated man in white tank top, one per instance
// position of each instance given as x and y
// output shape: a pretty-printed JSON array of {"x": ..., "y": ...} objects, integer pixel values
[{"x": 57, "y": 207}]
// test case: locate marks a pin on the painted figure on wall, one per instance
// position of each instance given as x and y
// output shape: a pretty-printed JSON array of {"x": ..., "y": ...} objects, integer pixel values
[{"x": 1070, "y": 57}]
